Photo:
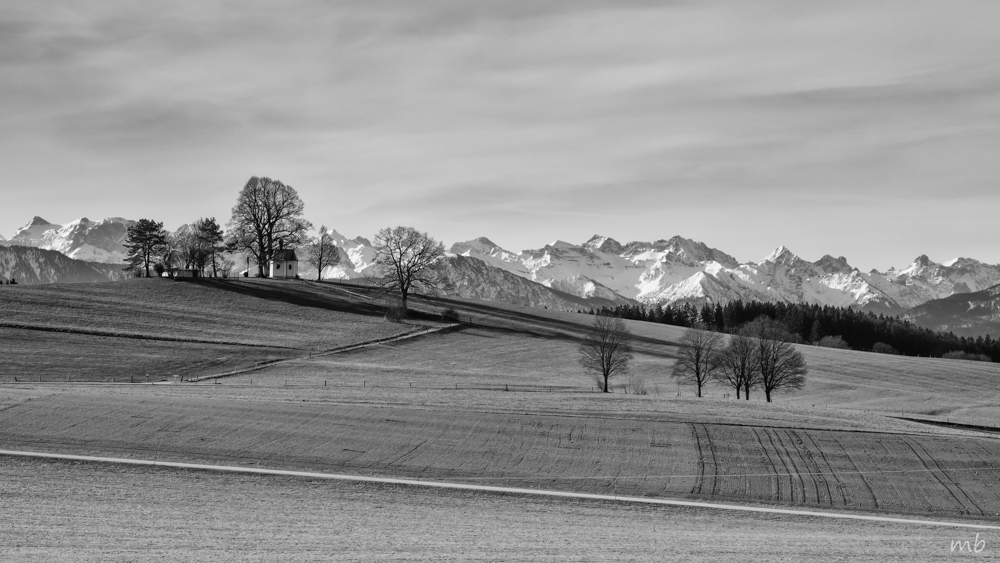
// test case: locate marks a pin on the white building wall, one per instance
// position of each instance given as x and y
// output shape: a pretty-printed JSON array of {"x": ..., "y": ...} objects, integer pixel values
[{"x": 284, "y": 270}]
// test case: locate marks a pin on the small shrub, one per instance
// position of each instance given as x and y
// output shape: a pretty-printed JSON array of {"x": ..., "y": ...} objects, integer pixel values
[
  {"x": 636, "y": 385},
  {"x": 450, "y": 314},
  {"x": 883, "y": 348},
  {"x": 395, "y": 313},
  {"x": 959, "y": 355},
  {"x": 833, "y": 342}
]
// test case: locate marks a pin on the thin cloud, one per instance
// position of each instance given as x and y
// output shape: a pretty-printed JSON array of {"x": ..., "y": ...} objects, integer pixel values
[{"x": 639, "y": 120}]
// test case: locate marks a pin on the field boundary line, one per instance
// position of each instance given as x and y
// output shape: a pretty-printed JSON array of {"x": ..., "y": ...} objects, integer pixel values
[
  {"x": 134, "y": 336},
  {"x": 494, "y": 489},
  {"x": 345, "y": 348}
]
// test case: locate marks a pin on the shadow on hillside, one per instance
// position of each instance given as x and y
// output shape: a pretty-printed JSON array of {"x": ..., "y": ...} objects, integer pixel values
[
  {"x": 295, "y": 293},
  {"x": 543, "y": 327}
]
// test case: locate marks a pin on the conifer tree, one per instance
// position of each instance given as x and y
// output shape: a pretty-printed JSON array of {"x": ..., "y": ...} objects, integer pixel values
[{"x": 144, "y": 240}]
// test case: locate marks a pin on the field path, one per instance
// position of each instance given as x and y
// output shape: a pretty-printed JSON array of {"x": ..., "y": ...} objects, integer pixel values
[
  {"x": 423, "y": 331},
  {"x": 494, "y": 489}
]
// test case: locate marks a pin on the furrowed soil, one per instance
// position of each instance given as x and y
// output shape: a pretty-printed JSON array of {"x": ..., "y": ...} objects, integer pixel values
[
  {"x": 70, "y": 511},
  {"x": 596, "y": 452}
]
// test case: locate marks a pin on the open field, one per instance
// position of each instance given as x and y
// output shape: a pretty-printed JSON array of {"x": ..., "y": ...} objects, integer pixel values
[
  {"x": 66, "y": 511},
  {"x": 267, "y": 313},
  {"x": 592, "y": 452},
  {"x": 966, "y": 391},
  {"x": 32, "y": 355},
  {"x": 500, "y": 400},
  {"x": 125, "y": 330}
]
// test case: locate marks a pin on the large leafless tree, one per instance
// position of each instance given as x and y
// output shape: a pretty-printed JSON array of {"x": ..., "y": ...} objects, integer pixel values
[
  {"x": 696, "y": 356},
  {"x": 780, "y": 366},
  {"x": 321, "y": 252},
  {"x": 407, "y": 260},
  {"x": 267, "y": 214},
  {"x": 736, "y": 364},
  {"x": 606, "y": 350}
]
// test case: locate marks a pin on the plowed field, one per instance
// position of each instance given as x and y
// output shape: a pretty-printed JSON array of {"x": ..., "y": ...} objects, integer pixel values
[
  {"x": 893, "y": 472},
  {"x": 65, "y": 511}
]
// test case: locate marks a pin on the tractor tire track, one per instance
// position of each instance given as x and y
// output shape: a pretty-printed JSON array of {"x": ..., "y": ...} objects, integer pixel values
[
  {"x": 776, "y": 483},
  {"x": 939, "y": 473},
  {"x": 841, "y": 486},
  {"x": 859, "y": 473},
  {"x": 700, "y": 479}
]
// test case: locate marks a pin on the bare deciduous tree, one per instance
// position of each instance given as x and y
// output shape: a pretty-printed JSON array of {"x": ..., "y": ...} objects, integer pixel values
[
  {"x": 780, "y": 366},
  {"x": 267, "y": 214},
  {"x": 696, "y": 356},
  {"x": 407, "y": 260},
  {"x": 606, "y": 350},
  {"x": 736, "y": 364},
  {"x": 322, "y": 252}
]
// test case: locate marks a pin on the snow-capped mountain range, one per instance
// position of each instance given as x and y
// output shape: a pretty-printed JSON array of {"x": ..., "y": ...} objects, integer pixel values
[
  {"x": 681, "y": 270},
  {"x": 82, "y": 239},
  {"x": 603, "y": 270}
]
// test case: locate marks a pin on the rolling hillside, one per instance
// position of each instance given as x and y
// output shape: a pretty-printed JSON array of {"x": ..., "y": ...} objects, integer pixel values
[
  {"x": 965, "y": 314},
  {"x": 499, "y": 399}
]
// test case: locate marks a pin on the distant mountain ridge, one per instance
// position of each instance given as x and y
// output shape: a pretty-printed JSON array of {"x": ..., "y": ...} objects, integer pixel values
[
  {"x": 29, "y": 265},
  {"x": 603, "y": 270},
  {"x": 680, "y": 270},
  {"x": 965, "y": 314},
  {"x": 83, "y": 239}
]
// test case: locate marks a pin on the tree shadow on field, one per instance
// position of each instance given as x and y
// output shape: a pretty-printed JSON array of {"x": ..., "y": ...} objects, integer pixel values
[
  {"x": 293, "y": 292},
  {"x": 488, "y": 333},
  {"x": 544, "y": 327}
]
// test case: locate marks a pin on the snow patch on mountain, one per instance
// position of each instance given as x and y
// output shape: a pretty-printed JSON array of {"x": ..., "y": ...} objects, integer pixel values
[{"x": 356, "y": 257}]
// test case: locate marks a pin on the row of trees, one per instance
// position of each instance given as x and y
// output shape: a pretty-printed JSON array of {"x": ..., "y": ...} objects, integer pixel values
[
  {"x": 759, "y": 355},
  {"x": 197, "y": 246},
  {"x": 268, "y": 216},
  {"x": 816, "y": 324}
]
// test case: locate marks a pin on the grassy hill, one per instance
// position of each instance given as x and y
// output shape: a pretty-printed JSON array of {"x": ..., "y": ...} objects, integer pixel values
[
  {"x": 104, "y": 331},
  {"x": 498, "y": 400}
]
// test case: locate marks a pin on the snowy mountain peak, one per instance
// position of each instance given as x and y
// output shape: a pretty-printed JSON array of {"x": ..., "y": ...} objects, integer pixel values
[
  {"x": 32, "y": 233},
  {"x": 604, "y": 244},
  {"x": 963, "y": 264},
  {"x": 923, "y": 261},
  {"x": 36, "y": 221},
  {"x": 782, "y": 255},
  {"x": 560, "y": 244},
  {"x": 83, "y": 239},
  {"x": 481, "y": 245},
  {"x": 832, "y": 265}
]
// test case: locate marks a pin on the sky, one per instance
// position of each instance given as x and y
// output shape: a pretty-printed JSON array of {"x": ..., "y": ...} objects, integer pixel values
[{"x": 866, "y": 129}]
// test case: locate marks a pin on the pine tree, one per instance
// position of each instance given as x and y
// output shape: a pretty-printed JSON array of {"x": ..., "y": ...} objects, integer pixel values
[{"x": 144, "y": 239}]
